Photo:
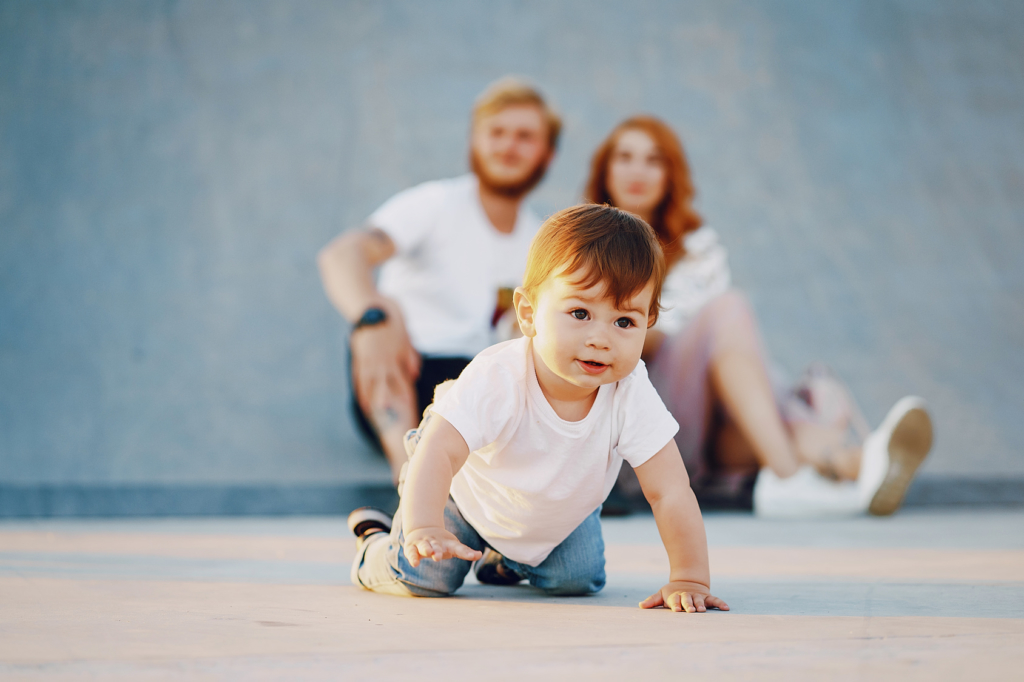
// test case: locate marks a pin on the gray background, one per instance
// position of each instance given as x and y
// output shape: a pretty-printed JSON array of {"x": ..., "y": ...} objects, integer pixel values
[{"x": 168, "y": 171}]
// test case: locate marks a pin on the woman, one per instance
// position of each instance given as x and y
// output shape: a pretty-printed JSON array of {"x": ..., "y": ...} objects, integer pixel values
[{"x": 706, "y": 360}]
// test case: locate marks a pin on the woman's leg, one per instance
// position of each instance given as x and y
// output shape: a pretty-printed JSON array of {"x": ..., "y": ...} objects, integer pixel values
[
  {"x": 726, "y": 344},
  {"x": 732, "y": 450},
  {"x": 741, "y": 385},
  {"x": 831, "y": 456}
]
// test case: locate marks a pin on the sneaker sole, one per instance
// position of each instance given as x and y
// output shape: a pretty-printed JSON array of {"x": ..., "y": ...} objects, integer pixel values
[
  {"x": 364, "y": 518},
  {"x": 911, "y": 440}
]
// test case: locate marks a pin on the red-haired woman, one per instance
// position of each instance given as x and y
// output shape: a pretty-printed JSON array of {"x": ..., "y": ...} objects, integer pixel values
[{"x": 706, "y": 360}]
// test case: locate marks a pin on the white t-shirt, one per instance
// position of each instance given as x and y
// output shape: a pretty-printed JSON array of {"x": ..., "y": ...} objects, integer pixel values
[
  {"x": 532, "y": 477},
  {"x": 694, "y": 280},
  {"x": 449, "y": 263}
]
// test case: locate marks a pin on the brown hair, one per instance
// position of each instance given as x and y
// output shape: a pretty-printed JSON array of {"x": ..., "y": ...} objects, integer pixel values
[
  {"x": 675, "y": 216},
  {"x": 604, "y": 244},
  {"x": 511, "y": 91}
]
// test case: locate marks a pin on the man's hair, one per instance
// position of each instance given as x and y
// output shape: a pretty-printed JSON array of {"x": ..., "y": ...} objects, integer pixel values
[
  {"x": 511, "y": 91},
  {"x": 602, "y": 244}
]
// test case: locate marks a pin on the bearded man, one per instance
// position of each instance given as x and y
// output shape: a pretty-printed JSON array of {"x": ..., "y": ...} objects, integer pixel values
[{"x": 446, "y": 249}]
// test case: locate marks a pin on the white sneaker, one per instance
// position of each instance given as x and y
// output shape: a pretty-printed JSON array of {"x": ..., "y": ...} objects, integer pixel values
[
  {"x": 892, "y": 453},
  {"x": 804, "y": 495}
]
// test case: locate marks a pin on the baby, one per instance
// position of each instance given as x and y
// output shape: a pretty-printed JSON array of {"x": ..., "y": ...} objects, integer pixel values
[{"x": 515, "y": 457}]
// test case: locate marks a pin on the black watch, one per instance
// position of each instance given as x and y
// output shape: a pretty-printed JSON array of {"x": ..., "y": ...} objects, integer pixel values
[{"x": 372, "y": 316}]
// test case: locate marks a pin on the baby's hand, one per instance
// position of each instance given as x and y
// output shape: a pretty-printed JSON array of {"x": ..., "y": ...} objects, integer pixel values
[
  {"x": 679, "y": 595},
  {"x": 437, "y": 544}
]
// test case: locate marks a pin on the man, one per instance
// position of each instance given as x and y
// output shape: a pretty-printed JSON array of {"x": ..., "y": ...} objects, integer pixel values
[{"x": 446, "y": 249}]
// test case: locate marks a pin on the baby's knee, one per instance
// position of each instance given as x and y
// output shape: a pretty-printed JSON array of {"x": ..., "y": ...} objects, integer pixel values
[
  {"x": 577, "y": 586},
  {"x": 432, "y": 579},
  {"x": 583, "y": 580},
  {"x": 411, "y": 589},
  {"x": 399, "y": 588},
  {"x": 382, "y": 567}
]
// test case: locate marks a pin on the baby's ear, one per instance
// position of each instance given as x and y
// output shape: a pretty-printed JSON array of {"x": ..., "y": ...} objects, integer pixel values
[{"x": 524, "y": 311}]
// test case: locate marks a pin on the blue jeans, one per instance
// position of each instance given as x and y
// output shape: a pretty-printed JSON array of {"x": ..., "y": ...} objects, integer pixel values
[{"x": 575, "y": 567}]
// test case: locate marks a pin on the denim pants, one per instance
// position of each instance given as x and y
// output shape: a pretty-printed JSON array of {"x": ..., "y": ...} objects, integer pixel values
[{"x": 575, "y": 567}]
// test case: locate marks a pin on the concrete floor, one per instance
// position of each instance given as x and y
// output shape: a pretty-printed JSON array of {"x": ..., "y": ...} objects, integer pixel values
[{"x": 923, "y": 595}]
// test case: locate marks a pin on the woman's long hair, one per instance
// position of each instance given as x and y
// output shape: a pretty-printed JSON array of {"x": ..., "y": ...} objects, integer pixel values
[{"x": 674, "y": 217}]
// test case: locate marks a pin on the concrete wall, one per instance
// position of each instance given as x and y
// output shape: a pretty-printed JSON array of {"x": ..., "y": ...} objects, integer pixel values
[{"x": 169, "y": 169}]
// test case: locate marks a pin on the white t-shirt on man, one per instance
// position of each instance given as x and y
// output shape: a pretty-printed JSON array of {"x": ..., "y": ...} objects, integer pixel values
[
  {"x": 449, "y": 263},
  {"x": 532, "y": 477}
]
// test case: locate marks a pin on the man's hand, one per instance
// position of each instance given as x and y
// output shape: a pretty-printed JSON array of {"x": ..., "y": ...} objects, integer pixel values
[
  {"x": 384, "y": 363},
  {"x": 680, "y": 595},
  {"x": 437, "y": 544},
  {"x": 384, "y": 369}
]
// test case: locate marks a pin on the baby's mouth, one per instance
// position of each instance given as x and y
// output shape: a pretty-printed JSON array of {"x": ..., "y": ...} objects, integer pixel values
[{"x": 593, "y": 366}]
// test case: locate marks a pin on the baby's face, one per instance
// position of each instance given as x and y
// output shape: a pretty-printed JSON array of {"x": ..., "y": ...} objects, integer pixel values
[{"x": 582, "y": 339}]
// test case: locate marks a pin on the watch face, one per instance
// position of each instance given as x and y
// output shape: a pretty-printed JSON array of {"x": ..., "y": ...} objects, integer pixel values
[{"x": 371, "y": 317}]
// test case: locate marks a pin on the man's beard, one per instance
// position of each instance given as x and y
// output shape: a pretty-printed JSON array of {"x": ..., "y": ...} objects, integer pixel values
[{"x": 512, "y": 190}]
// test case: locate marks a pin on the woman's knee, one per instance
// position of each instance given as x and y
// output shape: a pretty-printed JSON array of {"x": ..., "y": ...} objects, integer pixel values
[
  {"x": 731, "y": 320},
  {"x": 731, "y": 304}
]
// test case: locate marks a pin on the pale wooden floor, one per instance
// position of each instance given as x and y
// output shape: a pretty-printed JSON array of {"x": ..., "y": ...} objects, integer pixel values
[{"x": 936, "y": 595}]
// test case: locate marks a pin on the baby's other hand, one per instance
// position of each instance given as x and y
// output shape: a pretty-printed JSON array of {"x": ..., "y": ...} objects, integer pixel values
[
  {"x": 437, "y": 544},
  {"x": 679, "y": 595}
]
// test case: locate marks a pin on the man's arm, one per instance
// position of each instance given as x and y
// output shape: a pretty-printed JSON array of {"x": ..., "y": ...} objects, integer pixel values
[
  {"x": 384, "y": 363},
  {"x": 346, "y": 269},
  {"x": 439, "y": 456},
  {"x": 667, "y": 487}
]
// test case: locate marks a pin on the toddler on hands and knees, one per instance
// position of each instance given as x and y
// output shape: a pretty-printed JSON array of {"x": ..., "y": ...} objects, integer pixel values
[{"x": 516, "y": 456}]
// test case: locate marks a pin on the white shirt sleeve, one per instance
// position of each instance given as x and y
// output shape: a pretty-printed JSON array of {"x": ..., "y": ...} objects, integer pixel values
[
  {"x": 483, "y": 402},
  {"x": 694, "y": 280},
  {"x": 409, "y": 216},
  {"x": 645, "y": 424}
]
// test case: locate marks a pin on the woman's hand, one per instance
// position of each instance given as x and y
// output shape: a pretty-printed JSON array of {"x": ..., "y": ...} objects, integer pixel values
[
  {"x": 437, "y": 544},
  {"x": 679, "y": 595}
]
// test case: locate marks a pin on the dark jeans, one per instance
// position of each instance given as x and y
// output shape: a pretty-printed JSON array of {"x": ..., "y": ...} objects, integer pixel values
[{"x": 432, "y": 372}]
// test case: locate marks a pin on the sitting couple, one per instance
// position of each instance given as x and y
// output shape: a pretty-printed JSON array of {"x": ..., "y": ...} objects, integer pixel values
[{"x": 450, "y": 253}]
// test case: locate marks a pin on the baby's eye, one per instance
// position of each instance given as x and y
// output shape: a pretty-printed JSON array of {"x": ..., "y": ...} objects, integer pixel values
[
  {"x": 624, "y": 323},
  {"x": 579, "y": 314}
]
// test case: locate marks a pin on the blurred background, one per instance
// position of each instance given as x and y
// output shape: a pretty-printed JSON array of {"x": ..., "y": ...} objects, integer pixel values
[{"x": 168, "y": 171}]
